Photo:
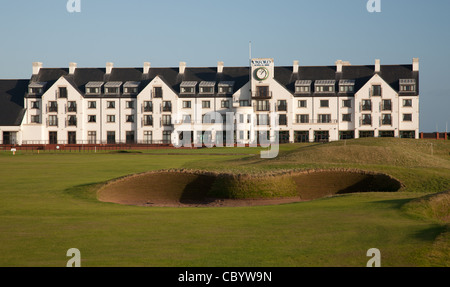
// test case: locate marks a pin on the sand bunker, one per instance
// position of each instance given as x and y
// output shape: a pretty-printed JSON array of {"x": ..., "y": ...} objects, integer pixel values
[{"x": 197, "y": 188}]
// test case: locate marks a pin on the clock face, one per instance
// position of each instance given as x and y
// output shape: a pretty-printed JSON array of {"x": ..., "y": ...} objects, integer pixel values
[{"x": 261, "y": 73}]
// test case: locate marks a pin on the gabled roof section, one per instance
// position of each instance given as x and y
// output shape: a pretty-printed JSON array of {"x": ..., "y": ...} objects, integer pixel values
[{"x": 12, "y": 94}]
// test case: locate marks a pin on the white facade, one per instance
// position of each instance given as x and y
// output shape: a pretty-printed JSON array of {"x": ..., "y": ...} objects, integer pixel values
[{"x": 321, "y": 109}]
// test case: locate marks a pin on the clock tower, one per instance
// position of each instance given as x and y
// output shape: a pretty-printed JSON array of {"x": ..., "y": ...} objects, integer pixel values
[{"x": 262, "y": 71}]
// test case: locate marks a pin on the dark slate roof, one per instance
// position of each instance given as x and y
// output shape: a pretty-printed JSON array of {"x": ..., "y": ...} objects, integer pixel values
[
  {"x": 361, "y": 74},
  {"x": 12, "y": 93},
  {"x": 240, "y": 75}
]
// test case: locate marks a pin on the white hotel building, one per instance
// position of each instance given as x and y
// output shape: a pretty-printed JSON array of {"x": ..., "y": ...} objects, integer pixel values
[{"x": 156, "y": 105}]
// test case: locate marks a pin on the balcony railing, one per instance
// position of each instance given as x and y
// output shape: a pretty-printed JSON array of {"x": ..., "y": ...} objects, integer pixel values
[
  {"x": 262, "y": 94},
  {"x": 316, "y": 121}
]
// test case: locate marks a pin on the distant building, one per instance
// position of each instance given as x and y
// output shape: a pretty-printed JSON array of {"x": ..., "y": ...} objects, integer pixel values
[{"x": 164, "y": 105}]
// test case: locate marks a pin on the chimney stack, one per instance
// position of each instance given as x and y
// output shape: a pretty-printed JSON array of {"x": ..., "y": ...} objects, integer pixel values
[
  {"x": 377, "y": 66},
  {"x": 72, "y": 68},
  {"x": 36, "y": 67},
  {"x": 339, "y": 64},
  {"x": 219, "y": 67},
  {"x": 146, "y": 67},
  {"x": 109, "y": 67},
  {"x": 295, "y": 67},
  {"x": 182, "y": 67},
  {"x": 415, "y": 64}
]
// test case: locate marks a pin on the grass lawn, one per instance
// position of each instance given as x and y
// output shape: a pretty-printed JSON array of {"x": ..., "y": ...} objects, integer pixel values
[{"x": 48, "y": 205}]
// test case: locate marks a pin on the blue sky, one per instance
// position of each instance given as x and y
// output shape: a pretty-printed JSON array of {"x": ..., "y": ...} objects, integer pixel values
[{"x": 202, "y": 32}]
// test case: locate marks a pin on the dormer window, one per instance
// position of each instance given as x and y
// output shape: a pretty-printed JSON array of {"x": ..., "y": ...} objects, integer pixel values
[
  {"x": 325, "y": 86},
  {"x": 94, "y": 88},
  {"x": 36, "y": 88},
  {"x": 131, "y": 88},
  {"x": 407, "y": 85},
  {"x": 188, "y": 87},
  {"x": 303, "y": 86},
  {"x": 226, "y": 87},
  {"x": 346, "y": 86},
  {"x": 112, "y": 88},
  {"x": 207, "y": 87}
]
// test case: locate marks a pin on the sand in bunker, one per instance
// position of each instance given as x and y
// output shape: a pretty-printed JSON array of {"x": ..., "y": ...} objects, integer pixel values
[{"x": 182, "y": 189}]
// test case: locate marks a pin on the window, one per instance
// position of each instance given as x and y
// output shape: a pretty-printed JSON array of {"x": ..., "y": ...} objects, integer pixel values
[
  {"x": 72, "y": 137},
  {"x": 129, "y": 137},
  {"x": 62, "y": 92},
  {"x": 112, "y": 91},
  {"x": 407, "y": 103},
  {"x": 167, "y": 106},
  {"x": 263, "y": 120},
  {"x": 376, "y": 90},
  {"x": 324, "y": 118},
  {"x": 186, "y": 104},
  {"x": 110, "y": 105},
  {"x": 157, "y": 92},
  {"x": 386, "y": 120},
  {"x": 35, "y": 104},
  {"x": 302, "y": 104},
  {"x": 262, "y": 91},
  {"x": 92, "y": 105},
  {"x": 206, "y": 90},
  {"x": 52, "y": 107},
  {"x": 262, "y": 106},
  {"x": 225, "y": 90},
  {"x": 52, "y": 137},
  {"x": 148, "y": 120},
  {"x": 130, "y": 118},
  {"x": 111, "y": 137},
  {"x": 386, "y": 134},
  {"x": 347, "y": 103},
  {"x": 303, "y": 119},
  {"x": 53, "y": 121},
  {"x": 407, "y": 117},
  {"x": 282, "y": 105},
  {"x": 36, "y": 91},
  {"x": 92, "y": 119},
  {"x": 302, "y": 89},
  {"x": 131, "y": 90},
  {"x": 206, "y": 104},
  {"x": 366, "y": 134},
  {"x": 35, "y": 119},
  {"x": 188, "y": 90},
  {"x": 407, "y": 134},
  {"x": 407, "y": 85},
  {"x": 93, "y": 91},
  {"x": 386, "y": 105},
  {"x": 346, "y": 89},
  {"x": 148, "y": 106},
  {"x": 166, "y": 137},
  {"x": 225, "y": 104},
  {"x": 129, "y": 104},
  {"x": 282, "y": 120},
  {"x": 324, "y": 89},
  {"x": 324, "y": 103},
  {"x": 72, "y": 121},
  {"x": 186, "y": 119},
  {"x": 366, "y": 105},
  {"x": 346, "y": 117},
  {"x": 366, "y": 120},
  {"x": 148, "y": 137},
  {"x": 110, "y": 118},
  {"x": 167, "y": 120},
  {"x": 244, "y": 103},
  {"x": 72, "y": 107},
  {"x": 92, "y": 137}
]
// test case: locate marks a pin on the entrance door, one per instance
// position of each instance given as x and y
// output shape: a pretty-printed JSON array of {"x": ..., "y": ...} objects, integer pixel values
[{"x": 53, "y": 137}]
